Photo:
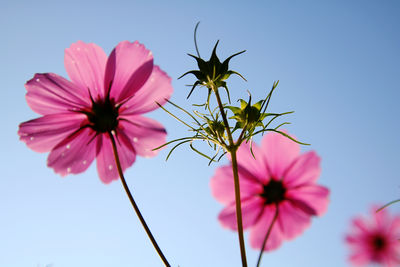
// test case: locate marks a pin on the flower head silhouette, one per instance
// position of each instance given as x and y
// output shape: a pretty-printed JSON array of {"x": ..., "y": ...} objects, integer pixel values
[
  {"x": 277, "y": 177},
  {"x": 375, "y": 239},
  {"x": 105, "y": 96}
]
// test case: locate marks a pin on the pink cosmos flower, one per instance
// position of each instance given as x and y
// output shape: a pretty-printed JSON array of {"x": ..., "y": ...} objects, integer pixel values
[
  {"x": 375, "y": 239},
  {"x": 278, "y": 176},
  {"x": 105, "y": 95}
]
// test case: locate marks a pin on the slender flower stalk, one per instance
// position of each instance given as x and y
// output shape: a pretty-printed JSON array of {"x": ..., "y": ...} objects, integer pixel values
[
  {"x": 232, "y": 148},
  {"x": 238, "y": 208},
  {"x": 268, "y": 234},
  {"x": 214, "y": 128},
  {"x": 134, "y": 205},
  {"x": 98, "y": 112}
]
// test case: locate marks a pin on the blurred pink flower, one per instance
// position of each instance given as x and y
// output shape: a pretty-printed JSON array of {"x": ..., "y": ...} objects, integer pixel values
[
  {"x": 278, "y": 176},
  {"x": 375, "y": 239},
  {"x": 104, "y": 95}
]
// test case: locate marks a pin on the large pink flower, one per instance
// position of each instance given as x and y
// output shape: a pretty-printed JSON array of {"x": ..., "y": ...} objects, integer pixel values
[
  {"x": 105, "y": 95},
  {"x": 375, "y": 239},
  {"x": 278, "y": 176}
]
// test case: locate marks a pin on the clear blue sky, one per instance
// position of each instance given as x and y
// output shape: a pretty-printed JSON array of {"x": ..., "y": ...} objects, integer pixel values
[{"x": 338, "y": 66}]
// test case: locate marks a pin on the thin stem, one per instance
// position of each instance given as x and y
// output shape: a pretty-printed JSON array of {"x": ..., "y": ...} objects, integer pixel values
[
  {"x": 232, "y": 148},
  {"x": 267, "y": 235},
  {"x": 135, "y": 207},
  {"x": 388, "y": 204},
  {"x": 238, "y": 208}
]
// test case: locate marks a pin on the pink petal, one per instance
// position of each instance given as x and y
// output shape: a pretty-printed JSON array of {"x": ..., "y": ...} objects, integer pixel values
[
  {"x": 158, "y": 88},
  {"x": 391, "y": 260},
  {"x": 223, "y": 188},
  {"x": 312, "y": 199},
  {"x": 360, "y": 225},
  {"x": 354, "y": 240},
  {"x": 128, "y": 68},
  {"x": 74, "y": 154},
  {"x": 251, "y": 211},
  {"x": 85, "y": 65},
  {"x": 360, "y": 258},
  {"x": 44, "y": 133},
  {"x": 260, "y": 229},
  {"x": 49, "y": 93},
  {"x": 254, "y": 165},
  {"x": 393, "y": 256},
  {"x": 144, "y": 133},
  {"x": 304, "y": 169},
  {"x": 279, "y": 152},
  {"x": 292, "y": 221},
  {"x": 106, "y": 167},
  {"x": 381, "y": 219},
  {"x": 394, "y": 228}
]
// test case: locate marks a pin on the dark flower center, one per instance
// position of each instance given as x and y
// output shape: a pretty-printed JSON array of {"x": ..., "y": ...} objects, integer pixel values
[
  {"x": 378, "y": 243},
  {"x": 274, "y": 192},
  {"x": 103, "y": 116}
]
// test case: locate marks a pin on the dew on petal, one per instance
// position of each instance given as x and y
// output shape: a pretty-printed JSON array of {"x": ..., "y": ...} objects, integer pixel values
[
  {"x": 135, "y": 139},
  {"x": 51, "y": 95}
]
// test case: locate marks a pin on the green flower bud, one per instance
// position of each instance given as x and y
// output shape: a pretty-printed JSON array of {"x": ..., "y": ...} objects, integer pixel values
[
  {"x": 212, "y": 73},
  {"x": 248, "y": 116}
]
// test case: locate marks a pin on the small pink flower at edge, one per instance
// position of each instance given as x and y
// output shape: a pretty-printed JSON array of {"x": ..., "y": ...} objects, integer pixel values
[
  {"x": 375, "y": 239},
  {"x": 278, "y": 176},
  {"x": 104, "y": 95}
]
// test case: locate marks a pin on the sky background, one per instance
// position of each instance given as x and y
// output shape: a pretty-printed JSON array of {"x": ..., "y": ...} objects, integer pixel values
[{"x": 338, "y": 66}]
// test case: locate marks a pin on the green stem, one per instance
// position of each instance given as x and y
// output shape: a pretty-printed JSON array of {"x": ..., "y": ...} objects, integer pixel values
[
  {"x": 238, "y": 208},
  {"x": 135, "y": 207},
  {"x": 232, "y": 148},
  {"x": 267, "y": 235}
]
